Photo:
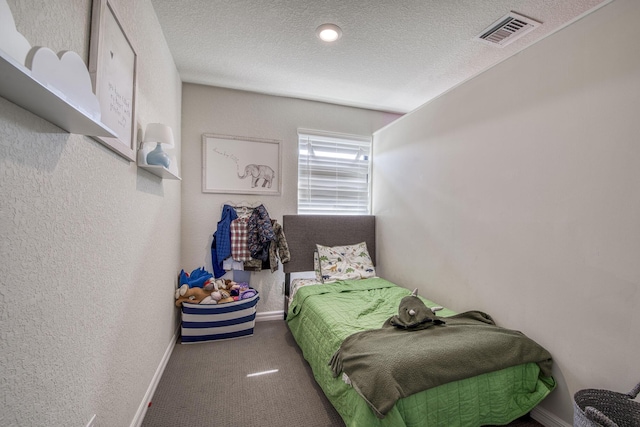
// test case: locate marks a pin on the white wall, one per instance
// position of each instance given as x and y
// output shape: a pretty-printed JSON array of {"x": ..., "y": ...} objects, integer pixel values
[
  {"x": 518, "y": 193},
  {"x": 230, "y": 112},
  {"x": 90, "y": 243}
]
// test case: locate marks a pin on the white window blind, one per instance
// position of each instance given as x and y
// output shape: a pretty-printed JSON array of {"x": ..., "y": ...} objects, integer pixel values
[{"x": 333, "y": 174}]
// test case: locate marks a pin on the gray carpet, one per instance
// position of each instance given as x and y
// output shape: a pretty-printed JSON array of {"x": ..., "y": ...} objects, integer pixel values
[{"x": 207, "y": 385}]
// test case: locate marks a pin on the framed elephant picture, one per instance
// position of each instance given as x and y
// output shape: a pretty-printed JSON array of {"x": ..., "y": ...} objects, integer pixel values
[{"x": 240, "y": 165}]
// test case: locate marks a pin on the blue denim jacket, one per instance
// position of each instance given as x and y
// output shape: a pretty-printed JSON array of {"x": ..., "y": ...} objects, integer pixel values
[{"x": 223, "y": 233}]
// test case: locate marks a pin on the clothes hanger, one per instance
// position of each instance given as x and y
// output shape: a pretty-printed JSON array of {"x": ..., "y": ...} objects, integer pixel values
[{"x": 243, "y": 208}]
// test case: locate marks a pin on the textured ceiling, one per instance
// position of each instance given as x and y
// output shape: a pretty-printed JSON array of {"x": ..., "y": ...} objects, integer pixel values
[{"x": 393, "y": 55}]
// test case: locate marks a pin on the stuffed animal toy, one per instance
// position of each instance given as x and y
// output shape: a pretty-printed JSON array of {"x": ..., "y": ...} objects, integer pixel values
[
  {"x": 193, "y": 295},
  {"x": 196, "y": 279},
  {"x": 413, "y": 314},
  {"x": 221, "y": 290},
  {"x": 228, "y": 285},
  {"x": 213, "y": 284},
  {"x": 248, "y": 293}
]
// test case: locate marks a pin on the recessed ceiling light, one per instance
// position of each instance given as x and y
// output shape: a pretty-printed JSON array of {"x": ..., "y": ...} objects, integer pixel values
[{"x": 328, "y": 32}]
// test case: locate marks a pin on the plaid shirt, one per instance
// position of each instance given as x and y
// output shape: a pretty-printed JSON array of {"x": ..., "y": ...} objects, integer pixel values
[{"x": 239, "y": 248}]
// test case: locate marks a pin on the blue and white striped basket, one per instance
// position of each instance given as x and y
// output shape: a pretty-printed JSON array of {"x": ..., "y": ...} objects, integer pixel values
[{"x": 212, "y": 322}]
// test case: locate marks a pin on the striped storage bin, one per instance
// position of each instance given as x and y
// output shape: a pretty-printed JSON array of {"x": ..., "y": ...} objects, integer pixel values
[{"x": 211, "y": 322}]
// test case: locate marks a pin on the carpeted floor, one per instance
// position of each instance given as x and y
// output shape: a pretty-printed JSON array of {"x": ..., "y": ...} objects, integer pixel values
[{"x": 207, "y": 384}]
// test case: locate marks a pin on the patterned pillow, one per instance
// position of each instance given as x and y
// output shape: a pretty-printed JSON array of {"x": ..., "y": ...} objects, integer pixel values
[
  {"x": 345, "y": 262},
  {"x": 316, "y": 266}
]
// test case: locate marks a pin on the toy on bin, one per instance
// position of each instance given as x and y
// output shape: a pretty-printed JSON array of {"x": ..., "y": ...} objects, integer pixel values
[
  {"x": 197, "y": 279},
  {"x": 249, "y": 293},
  {"x": 210, "y": 290},
  {"x": 193, "y": 295}
]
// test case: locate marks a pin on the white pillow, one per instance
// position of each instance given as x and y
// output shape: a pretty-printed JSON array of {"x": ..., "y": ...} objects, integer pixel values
[{"x": 349, "y": 262}]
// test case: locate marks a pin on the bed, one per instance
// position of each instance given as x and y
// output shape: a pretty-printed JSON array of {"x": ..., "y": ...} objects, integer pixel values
[{"x": 324, "y": 317}]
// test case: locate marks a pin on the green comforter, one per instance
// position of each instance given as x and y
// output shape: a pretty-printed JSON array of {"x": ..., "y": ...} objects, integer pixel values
[
  {"x": 387, "y": 364},
  {"x": 321, "y": 317}
]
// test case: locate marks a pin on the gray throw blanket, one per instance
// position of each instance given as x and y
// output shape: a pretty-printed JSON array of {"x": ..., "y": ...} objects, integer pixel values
[{"x": 387, "y": 364}]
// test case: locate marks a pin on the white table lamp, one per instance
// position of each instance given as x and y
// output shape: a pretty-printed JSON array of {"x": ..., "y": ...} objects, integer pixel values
[{"x": 162, "y": 135}]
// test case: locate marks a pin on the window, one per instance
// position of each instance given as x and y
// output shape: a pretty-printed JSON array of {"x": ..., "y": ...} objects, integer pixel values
[{"x": 333, "y": 173}]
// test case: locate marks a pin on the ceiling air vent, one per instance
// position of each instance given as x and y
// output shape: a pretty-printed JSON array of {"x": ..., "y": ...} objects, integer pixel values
[{"x": 507, "y": 29}]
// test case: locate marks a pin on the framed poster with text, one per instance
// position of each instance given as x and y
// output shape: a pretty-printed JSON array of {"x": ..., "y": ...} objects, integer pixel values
[{"x": 112, "y": 66}]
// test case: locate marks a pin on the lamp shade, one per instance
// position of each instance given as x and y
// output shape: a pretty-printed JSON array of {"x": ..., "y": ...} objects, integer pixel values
[{"x": 157, "y": 132}]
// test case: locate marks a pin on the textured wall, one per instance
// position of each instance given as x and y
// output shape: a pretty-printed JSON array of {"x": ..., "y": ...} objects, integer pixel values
[
  {"x": 89, "y": 243},
  {"x": 518, "y": 195},
  {"x": 228, "y": 112}
]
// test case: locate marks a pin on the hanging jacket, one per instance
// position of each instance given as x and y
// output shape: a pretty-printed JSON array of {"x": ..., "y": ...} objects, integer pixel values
[
  {"x": 260, "y": 233},
  {"x": 217, "y": 270},
  {"x": 223, "y": 233},
  {"x": 278, "y": 248}
]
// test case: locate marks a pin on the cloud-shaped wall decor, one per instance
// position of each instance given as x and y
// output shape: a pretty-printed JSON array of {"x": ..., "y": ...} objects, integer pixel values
[
  {"x": 12, "y": 42},
  {"x": 68, "y": 74}
]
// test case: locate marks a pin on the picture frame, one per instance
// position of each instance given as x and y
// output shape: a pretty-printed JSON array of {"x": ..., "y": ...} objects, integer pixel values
[
  {"x": 241, "y": 165},
  {"x": 113, "y": 64}
]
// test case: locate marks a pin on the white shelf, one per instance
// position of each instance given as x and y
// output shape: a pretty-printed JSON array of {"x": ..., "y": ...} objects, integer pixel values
[
  {"x": 18, "y": 86},
  {"x": 160, "y": 171}
]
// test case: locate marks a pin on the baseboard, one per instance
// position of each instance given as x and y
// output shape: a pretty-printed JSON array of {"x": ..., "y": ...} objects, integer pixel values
[
  {"x": 269, "y": 315},
  {"x": 142, "y": 409},
  {"x": 547, "y": 419}
]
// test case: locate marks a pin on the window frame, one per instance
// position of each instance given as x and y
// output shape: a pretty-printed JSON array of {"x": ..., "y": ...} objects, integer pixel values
[{"x": 343, "y": 142}]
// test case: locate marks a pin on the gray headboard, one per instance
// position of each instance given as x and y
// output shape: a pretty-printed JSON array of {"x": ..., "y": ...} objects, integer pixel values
[{"x": 303, "y": 232}]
